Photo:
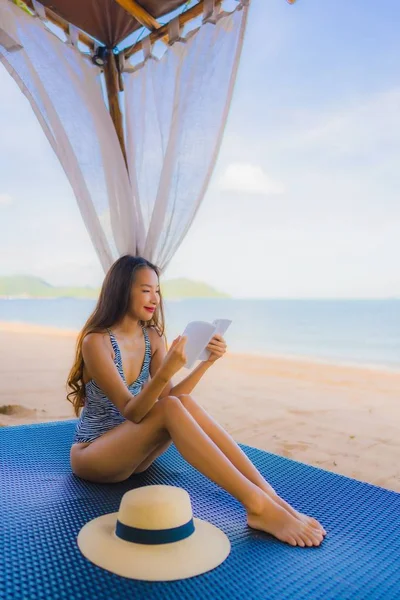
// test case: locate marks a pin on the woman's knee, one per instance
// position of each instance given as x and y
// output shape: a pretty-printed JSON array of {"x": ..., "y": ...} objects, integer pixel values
[
  {"x": 169, "y": 405},
  {"x": 187, "y": 401},
  {"x": 168, "y": 402}
]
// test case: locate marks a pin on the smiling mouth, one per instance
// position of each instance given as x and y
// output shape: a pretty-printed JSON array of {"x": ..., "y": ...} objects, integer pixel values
[{"x": 150, "y": 309}]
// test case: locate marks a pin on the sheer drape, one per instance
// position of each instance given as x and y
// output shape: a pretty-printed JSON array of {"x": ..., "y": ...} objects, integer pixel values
[
  {"x": 176, "y": 111},
  {"x": 175, "y": 114},
  {"x": 66, "y": 95}
]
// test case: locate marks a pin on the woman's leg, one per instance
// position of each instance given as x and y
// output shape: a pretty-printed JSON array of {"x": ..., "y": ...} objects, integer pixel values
[
  {"x": 152, "y": 457},
  {"x": 116, "y": 454},
  {"x": 237, "y": 457}
]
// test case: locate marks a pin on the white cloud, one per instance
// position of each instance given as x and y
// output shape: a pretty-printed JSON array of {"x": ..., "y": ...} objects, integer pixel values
[
  {"x": 248, "y": 179},
  {"x": 5, "y": 199}
]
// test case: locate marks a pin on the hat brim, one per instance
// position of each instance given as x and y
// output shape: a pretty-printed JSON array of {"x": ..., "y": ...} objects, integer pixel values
[{"x": 204, "y": 550}]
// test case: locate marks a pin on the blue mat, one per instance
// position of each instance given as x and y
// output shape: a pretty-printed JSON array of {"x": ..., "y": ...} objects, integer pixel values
[{"x": 43, "y": 506}]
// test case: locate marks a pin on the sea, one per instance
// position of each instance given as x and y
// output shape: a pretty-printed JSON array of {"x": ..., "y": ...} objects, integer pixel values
[{"x": 352, "y": 332}]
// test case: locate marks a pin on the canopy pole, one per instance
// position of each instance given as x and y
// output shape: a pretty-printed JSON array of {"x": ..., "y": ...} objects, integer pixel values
[{"x": 112, "y": 79}]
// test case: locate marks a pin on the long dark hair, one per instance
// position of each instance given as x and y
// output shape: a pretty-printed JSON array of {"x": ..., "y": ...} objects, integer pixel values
[{"x": 111, "y": 308}]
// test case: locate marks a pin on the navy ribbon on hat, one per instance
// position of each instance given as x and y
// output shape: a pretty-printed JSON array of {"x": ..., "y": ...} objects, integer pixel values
[{"x": 154, "y": 536}]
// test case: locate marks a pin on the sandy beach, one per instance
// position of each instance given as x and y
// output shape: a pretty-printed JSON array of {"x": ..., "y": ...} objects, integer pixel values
[{"x": 342, "y": 419}]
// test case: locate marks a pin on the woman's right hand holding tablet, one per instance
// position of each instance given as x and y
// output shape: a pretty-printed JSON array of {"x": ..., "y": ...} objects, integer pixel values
[{"x": 175, "y": 359}]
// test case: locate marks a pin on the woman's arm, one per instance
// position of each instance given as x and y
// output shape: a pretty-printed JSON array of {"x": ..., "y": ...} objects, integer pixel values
[
  {"x": 216, "y": 348},
  {"x": 99, "y": 363},
  {"x": 187, "y": 385},
  {"x": 184, "y": 387},
  {"x": 159, "y": 352}
]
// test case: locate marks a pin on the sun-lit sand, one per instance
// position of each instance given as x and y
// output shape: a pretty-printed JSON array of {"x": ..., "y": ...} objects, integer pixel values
[{"x": 343, "y": 419}]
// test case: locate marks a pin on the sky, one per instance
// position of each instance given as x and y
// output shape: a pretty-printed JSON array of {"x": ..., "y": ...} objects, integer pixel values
[{"x": 304, "y": 200}]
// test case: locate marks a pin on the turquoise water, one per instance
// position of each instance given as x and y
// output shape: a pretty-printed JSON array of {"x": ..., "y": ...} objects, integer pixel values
[{"x": 365, "y": 332}]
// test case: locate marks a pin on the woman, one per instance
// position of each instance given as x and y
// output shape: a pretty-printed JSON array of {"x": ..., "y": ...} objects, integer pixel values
[{"x": 124, "y": 427}]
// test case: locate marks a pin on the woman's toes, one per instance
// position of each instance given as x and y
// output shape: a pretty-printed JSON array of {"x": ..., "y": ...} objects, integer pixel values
[
  {"x": 308, "y": 541},
  {"x": 313, "y": 535},
  {"x": 302, "y": 535},
  {"x": 321, "y": 528},
  {"x": 316, "y": 525},
  {"x": 292, "y": 541},
  {"x": 299, "y": 541},
  {"x": 318, "y": 539},
  {"x": 317, "y": 542},
  {"x": 306, "y": 537}
]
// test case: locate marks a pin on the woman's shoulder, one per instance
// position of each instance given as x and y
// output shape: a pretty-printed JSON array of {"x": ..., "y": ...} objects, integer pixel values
[
  {"x": 96, "y": 339},
  {"x": 155, "y": 337},
  {"x": 153, "y": 332}
]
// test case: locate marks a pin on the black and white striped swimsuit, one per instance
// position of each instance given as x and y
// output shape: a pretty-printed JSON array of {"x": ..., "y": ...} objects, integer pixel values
[{"x": 99, "y": 414}]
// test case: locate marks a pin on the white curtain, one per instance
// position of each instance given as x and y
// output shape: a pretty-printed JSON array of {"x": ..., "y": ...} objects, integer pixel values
[
  {"x": 176, "y": 111},
  {"x": 65, "y": 93},
  {"x": 175, "y": 114}
]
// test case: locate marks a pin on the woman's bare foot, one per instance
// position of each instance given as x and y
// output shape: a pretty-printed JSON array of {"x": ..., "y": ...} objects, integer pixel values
[
  {"x": 304, "y": 518},
  {"x": 292, "y": 511},
  {"x": 298, "y": 515},
  {"x": 273, "y": 519}
]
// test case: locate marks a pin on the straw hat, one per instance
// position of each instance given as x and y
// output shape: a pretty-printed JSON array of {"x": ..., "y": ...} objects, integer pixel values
[{"x": 154, "y": 537}]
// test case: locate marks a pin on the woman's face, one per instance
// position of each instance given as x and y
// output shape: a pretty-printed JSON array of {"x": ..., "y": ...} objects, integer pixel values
[{"x": 145, "y": 294}]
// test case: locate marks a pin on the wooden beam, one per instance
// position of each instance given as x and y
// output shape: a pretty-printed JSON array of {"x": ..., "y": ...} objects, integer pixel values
[
  {"x": 111, "y": 75},
  {"x": 140, "y": 14},
  {"x": 184, "y": 18},
  {"x": 63, "y": 24}
]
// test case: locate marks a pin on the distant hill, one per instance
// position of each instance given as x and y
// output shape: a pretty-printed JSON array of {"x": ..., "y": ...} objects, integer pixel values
[
  {"x": 27, "y": 286},
  {"x": 176, "y": 289}
]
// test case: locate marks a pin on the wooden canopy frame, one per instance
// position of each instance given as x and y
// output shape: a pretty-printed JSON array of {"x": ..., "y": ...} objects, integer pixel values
[{"x": 111, "y": 67}]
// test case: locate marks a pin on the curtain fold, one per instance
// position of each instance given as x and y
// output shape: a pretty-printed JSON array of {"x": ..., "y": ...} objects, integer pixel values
[
  {"x": 175, "y": 114},
  {"x": 65, "y": 93},
  {"x": 176, "y": 110}
]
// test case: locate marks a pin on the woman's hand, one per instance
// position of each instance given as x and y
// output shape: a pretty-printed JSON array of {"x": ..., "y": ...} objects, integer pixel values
[
  {"x": 217, "y": 347},
  {"x": 175, "y": 358}
]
